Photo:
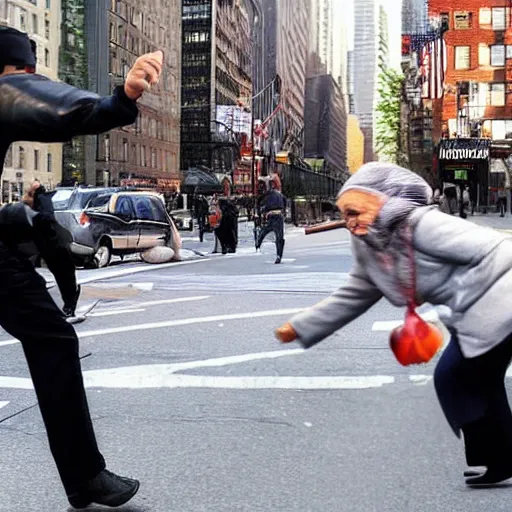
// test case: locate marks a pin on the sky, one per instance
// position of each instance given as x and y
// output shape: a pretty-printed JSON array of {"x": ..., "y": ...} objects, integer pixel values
[{"x": 344, "y": 12}]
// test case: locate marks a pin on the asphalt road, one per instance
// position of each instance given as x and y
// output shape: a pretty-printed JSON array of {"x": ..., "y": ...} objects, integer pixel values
[{"x": 191, "y": 394}]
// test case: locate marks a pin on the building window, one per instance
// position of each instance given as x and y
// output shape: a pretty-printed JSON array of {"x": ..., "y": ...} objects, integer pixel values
[
  {"x": 499, "y": 18},
  {"x": 444, "y": 18},
  {"x": 125, "y": 150},
  {"x": 35, "y": 25},
  {"x": 21, "y": 158},
  {"x": 49, "y": 162},
  {"x": 485, "y": 16},
  {"x": 48, "y": 4},
  {"x": 47, "y": 57},
  {"x": 23, "y": 20},
  {"x": 462, "y": 20},
  {"x": 498, "y": 55},
  {"x": 484, "y": 55},
  {"x": 36, "y": 160},
  {"x": 47, "y": 29},
  {"x": 8, "y": 157},
  {"x": 462, "y": 57},
  {"x": 497, "y": 92}
]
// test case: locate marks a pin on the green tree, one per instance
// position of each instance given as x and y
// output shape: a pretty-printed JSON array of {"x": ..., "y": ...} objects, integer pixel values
[{"x": 388, "y": 114}]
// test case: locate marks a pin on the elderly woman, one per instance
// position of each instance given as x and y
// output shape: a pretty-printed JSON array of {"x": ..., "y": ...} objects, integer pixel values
[{"x": 468, "y": 268}]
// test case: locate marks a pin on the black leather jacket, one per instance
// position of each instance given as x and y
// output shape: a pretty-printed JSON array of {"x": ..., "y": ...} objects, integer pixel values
[{"x": 34, "y": 108}]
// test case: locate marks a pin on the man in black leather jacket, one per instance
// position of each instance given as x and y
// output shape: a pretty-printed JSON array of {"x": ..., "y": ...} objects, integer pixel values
[{"x": 33, "y": 108}]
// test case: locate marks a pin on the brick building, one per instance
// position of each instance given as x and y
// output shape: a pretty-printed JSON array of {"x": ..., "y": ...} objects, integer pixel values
[{"x": 472, "y": 122}]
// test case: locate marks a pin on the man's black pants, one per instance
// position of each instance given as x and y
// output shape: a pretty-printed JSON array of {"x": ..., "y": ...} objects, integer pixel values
[{"x": 50, "y": 344}]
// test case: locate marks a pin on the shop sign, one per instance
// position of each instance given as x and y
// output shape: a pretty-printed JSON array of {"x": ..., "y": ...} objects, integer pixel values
[{"x": 464, "y": 154}]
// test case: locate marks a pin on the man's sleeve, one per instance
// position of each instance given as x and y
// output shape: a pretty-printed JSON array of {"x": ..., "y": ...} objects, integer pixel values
[{"x": 37, "y": 109}]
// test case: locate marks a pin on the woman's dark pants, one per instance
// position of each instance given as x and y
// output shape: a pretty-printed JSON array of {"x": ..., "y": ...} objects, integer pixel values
[{"x": 473, "y": 398}]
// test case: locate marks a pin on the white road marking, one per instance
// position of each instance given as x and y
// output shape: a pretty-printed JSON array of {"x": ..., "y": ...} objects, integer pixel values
[
  {"x": 175, "y": 323},
  {"x": 3, "y": 404},
  {"x": 8, "y": 342},
  {"x": 387, "y": 326},
  {"x": 113, "y": 312},
  {"x": 420, "y": 380},
  {"x": 146, "y": 287},
  {"x": 197, "y": 381},
  {"x": 164, "y": 376},
  {"x": 171, "y": 301}
]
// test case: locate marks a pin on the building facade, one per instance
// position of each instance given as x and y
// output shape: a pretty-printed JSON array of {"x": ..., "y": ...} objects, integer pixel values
[
  {"x": 326, "y": 126},
  {"x": 101, "y": 41},
  {"x": 26, "y": 161},
  {"x": 355, "y": 144},
  {"x": 292, "y": 54},
  {"x": 414, "y": 16},
  {"x": 472, "y": 121},
  {"x": 366, "y": 51},
  {"x": 321, "y": 44},
  {"x": 216, "y": 82}
]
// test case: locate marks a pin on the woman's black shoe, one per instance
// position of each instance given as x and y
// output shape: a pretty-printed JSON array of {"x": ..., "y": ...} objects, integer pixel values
[{"x": 107, "y": 489}]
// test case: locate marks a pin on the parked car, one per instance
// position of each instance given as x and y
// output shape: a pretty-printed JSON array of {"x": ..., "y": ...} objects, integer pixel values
[{"x": 118, "y": 223}]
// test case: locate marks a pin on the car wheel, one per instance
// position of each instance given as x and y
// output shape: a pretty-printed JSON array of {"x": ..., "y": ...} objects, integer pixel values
[{"x": 103, "y": 255}]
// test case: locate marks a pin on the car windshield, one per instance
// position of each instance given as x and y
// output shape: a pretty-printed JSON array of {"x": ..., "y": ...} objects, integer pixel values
[{"x": 61, "y": 199}]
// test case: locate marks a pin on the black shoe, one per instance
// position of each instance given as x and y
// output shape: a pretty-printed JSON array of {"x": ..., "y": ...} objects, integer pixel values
[
  {"x": 278, "y": 260},
  {"x": 491, "y": 477},
  {"x": 107, "y": 489}
]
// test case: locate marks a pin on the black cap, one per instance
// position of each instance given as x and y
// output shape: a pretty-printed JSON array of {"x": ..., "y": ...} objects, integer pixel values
[{"x": 16, "y": 49}]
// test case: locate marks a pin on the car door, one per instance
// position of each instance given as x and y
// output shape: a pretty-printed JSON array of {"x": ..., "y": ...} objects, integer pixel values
[
  {"x": 124, "y": 230},
  {"x": 152, "y": 219}
]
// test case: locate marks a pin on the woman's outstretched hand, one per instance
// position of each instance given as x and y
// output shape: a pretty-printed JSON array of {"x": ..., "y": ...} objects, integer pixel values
[{"x": 286, "y": 333}]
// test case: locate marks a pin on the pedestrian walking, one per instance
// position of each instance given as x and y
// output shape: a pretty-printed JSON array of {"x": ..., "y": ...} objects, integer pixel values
[
  {"x": 34, "y": 108},
  {"x": 399, "y": 238},
  {"x": 201, "y": 210},
  {"x": 227, "y": 231},
  {"x": 273, "y": 210},
  {"x": 502, "y": 200}
]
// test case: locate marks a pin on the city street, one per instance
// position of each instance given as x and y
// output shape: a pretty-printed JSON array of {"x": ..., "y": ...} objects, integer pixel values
[{"x": 191, "y": 393}]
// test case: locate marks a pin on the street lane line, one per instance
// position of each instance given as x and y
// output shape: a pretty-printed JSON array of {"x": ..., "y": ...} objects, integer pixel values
[
  {"x": 189, "y": 321},
  {"x": 387, "y": 326},
  {"x": 3, "y": 404},
  {"x": 175, "y": 323},
  {"x": 152, "y": 381},
  {"x": 113, "y": 312},
  {"x": 8, "y": 342},
  {"x": 171, "y": 301},
  {"x": 145, "y": 287}
]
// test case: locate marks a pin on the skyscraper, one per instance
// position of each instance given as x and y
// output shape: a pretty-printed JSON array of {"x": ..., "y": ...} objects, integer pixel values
[
  {"x": 366, "y": 51},
  {"x": 322, "y": 36},
  {"x": 414, "y": 16}
]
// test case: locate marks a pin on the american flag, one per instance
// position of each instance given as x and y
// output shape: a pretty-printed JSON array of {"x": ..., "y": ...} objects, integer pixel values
[{"x": 432, "y": 70}]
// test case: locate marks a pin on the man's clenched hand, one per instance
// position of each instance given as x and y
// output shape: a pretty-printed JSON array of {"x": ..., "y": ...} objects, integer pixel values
[{"x": 144, "y": 73}]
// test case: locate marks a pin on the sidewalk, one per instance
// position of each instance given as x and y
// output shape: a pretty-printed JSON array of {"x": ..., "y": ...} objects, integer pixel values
[{"x": 492, "y": 220}]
